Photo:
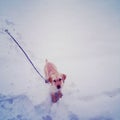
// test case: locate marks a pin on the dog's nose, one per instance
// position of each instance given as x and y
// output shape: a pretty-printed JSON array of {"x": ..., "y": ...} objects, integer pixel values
[{"x": 58, "y": 87}]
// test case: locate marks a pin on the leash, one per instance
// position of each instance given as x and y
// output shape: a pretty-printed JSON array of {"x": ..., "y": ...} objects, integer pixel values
[{"x": 28, "y": 58}]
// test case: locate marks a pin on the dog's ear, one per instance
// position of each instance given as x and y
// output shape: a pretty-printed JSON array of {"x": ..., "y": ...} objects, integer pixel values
[
  {"x": 50, "y": 79},
  {"x": 63, "y": 76}
]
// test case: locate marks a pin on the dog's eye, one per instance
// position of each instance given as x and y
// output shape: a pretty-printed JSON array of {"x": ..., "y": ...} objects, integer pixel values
[
  {"x": 54, "y": 80},
  {"x": 60, "y": 79}
]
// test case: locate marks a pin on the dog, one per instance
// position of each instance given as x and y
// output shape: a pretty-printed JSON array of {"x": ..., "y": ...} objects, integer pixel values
[{"x": 55, "y": 79}]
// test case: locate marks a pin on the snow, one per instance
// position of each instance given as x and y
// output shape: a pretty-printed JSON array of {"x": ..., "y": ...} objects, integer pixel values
[
  {"x": 20, "y": 107},
  {"x": 81, "y": 39}
]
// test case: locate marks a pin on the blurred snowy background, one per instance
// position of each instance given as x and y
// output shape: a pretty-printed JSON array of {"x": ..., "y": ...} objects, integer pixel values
[{"x": 82, "y": 38}]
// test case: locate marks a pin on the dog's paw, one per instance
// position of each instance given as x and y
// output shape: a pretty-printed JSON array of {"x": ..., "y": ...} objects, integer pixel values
[{"x": 54, "y": 100}]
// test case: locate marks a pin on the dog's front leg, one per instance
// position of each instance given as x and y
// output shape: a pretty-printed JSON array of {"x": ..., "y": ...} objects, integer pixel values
[
  {"x": 54, "y": 97},
  {"x": 60, "y": 94}
]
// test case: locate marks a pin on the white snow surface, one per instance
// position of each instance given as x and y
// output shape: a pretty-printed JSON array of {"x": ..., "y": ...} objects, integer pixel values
[{"x": 85, "y": 48}]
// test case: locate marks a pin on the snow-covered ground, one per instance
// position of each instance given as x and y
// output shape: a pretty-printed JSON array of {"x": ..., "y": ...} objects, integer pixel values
[{"x": 81, "y": 38}]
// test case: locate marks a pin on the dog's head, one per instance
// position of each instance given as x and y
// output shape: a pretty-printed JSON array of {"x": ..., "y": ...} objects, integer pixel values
[{"x": 57, "y": 80}]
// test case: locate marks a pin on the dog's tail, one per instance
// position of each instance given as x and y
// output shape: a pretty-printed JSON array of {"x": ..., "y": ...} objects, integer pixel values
[{"x": 46, "y": 60}]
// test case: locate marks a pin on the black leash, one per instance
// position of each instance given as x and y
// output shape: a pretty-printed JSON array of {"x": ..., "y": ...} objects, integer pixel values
[{"x": 25, "y": 55}]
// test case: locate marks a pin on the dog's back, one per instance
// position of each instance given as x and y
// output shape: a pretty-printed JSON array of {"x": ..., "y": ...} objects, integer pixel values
[{"x": 49, "y": 69}]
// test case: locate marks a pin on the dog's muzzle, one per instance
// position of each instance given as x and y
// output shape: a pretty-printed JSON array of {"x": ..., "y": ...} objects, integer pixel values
[{"x": 58, "y": 87}]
